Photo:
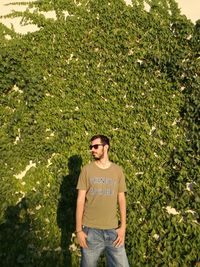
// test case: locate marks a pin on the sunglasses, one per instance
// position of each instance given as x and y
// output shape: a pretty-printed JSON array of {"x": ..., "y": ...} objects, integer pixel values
[{"x": 96, "y": 146}]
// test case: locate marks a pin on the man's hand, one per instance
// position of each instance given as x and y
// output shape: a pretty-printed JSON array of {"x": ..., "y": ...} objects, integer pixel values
[
  {"x": 81, "y": 236},
  {"x": 120, "y": 237}
]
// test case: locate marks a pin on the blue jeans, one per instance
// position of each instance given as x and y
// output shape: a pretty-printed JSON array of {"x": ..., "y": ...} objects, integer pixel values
[{"x": 100, "y": 241}]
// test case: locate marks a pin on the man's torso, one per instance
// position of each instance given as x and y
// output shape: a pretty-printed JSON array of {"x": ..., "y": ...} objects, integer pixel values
[{"x": 102, "y": 187}]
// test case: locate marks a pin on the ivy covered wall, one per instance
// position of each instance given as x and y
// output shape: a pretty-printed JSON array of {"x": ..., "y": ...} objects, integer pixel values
[{"x": 109, "y": 68}]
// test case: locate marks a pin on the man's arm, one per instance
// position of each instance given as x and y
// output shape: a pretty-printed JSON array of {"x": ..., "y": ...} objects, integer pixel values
[
  {"x": 81, "y": 236},
  {"x": 122, "y": 229}
]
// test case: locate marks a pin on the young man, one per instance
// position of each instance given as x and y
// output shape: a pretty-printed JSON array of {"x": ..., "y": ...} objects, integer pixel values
[{"x": 101, "y": 186}]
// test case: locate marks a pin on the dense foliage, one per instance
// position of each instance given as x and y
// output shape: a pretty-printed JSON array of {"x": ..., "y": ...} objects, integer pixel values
[{"x": 101, "y": 67}]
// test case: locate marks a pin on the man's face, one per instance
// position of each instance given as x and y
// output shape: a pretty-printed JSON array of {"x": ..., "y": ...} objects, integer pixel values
[{"x": 97, "y": 151}]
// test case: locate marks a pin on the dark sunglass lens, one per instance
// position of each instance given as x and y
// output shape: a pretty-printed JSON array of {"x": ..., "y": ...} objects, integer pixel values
[{"x": 94, "y": 146}]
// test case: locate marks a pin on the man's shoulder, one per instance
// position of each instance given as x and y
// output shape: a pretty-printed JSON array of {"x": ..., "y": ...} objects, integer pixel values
[
  {"x": 88, "y": 165},
  {"x": 117, "y": 166}
]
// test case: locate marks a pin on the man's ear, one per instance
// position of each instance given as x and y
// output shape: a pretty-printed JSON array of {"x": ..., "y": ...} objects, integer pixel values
[{"x": 107, "y": 147}]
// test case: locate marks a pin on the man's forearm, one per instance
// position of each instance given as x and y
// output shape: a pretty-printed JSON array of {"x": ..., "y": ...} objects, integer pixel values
[
  {"x": 81, "y": 236},
  {"x": 79, "y": 210},
  {"x": 79, "y": 216},
  {"x": 122, "y": 209}
]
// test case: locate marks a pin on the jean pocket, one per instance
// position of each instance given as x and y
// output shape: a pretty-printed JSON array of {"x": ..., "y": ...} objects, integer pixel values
[
  {"x": 86, "y": 230},
  {"x": 112, "y": 234}
]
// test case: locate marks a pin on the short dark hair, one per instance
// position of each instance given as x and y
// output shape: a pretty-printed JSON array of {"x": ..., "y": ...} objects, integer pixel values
[{"x": 104, "y": 139}]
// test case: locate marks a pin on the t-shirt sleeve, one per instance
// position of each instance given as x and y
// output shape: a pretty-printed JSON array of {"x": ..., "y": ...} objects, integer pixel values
[
  {"x": 83, "y": 180},
  {"x": 122, "y": 183}
]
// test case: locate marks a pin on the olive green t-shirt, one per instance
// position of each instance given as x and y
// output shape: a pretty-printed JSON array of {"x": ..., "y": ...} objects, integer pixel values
[{"x": 102, "y": 187}]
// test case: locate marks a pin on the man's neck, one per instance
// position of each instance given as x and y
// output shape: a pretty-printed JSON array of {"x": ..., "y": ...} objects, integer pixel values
[{"x": 103, "y": 163}]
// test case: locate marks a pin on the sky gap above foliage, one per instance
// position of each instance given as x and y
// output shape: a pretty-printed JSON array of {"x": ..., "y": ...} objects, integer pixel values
[{"x": 29, "y": 27}]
